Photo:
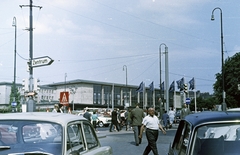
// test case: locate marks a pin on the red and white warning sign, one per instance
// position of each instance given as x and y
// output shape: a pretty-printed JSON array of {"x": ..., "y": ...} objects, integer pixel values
[{"x": 64, "y": 98}]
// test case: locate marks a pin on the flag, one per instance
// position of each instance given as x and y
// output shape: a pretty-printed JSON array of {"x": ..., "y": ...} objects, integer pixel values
[
  {"x": 162, "y": 86},
  {"x": 140, "y": 87},
  {"x": 151, "y": 87},
  {"x": 180, "y": 84},
  {"x": 192, "y": 84},
  {"x": 172, "y": 87}
]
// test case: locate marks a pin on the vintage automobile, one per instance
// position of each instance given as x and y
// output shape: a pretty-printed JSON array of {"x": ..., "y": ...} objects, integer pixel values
[
  {"x": 104, "y": 120},
  {"x": 48, "y": 133},
  {"x": 207, "y": 133}
]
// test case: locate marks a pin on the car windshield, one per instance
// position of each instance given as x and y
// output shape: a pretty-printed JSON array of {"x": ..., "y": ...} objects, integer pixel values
[
  {"x": 217, "y": 139},
  {"x": 30, "y": 136}
]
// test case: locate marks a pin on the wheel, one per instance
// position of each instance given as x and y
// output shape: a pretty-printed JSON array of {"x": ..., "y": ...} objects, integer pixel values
[{"x": 100, "y": 124}]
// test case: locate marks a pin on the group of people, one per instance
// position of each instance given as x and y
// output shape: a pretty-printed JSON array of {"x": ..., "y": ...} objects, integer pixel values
[
  {"x": 93, "y": 118},
  {"x": 150, "y": 124},
  {"x": 170, "y": 117},
  {"x": 120, "y": 119}
]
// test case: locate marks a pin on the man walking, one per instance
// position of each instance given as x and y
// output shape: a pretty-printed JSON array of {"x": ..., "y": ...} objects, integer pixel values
[
  {"x": 87, "y": 115},
  {"x": 185, "y": 111},
  {"x": 137, "y": 116},
  {"x": 152, "y": 124},
  {"x": 114, "y": 120}
]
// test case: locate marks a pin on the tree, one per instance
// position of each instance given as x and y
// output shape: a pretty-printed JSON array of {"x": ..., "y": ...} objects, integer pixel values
[
  {"x": 17, "y": 98},
  {"x": 231, "y": 81}
]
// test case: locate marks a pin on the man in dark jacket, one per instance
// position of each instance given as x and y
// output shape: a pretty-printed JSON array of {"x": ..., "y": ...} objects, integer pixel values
[
  {"x": 114, "y": 120},
  {"x": 137, "y": 116},
  {"x": 87, "y": 115}
]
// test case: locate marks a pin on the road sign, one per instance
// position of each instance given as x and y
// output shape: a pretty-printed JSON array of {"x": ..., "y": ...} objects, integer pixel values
[
  {"x": 64, "y": 98},
  {"x": 188, "y": 100},
  {"x": 14, "y": 104},
  {"x": 42, "y": 61}
]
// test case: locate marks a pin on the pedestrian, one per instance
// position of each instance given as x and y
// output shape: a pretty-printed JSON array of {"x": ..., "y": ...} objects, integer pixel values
[
  {"x": 185, "y": 111},
  {"x": 165, "y": 119},
  {"x": 94, "y": 120},
  {"x": 137, "y": 116},
  {"x": 87, "y": 115},
  {"x": 153, "y": 125},
  {"x": 171, "y": 115},
  {"x": 114, "y": 120},
  {"x": 129, "y": 120},
  {"x": 57, "y": 109}
]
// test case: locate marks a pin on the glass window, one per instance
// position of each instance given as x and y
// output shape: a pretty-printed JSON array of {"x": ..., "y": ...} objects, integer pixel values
[
  {"x": 182, "y": 138},
  {"x": 97, "y": 91},
  {"x": 222, "y": 138},
  {"x": 75, "y": 139},
  {"x": 107, "y": 95},
  {"x": 30, "y": 136},
  {"x": 117, "y": 96},
  {"x": 90, "y": 135}
]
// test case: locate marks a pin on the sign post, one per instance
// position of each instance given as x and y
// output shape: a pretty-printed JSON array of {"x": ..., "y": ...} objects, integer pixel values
[
  {"x": 188, "y": 101},
  {"x": 42, "y": 61}
]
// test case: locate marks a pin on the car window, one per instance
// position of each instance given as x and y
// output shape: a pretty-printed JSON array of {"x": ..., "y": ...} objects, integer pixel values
[
  {"x": 30, "y": 136},
  {"x": 181, "y": 140},
  {"x": 8, "y": 134},
  {"x": 75, "y": 138},
  {"x": 217, "y": 139},
  {"x": 90, "y": 135}
]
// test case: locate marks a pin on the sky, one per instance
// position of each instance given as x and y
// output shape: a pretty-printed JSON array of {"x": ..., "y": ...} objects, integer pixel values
[{"x": 95, "y": 39}]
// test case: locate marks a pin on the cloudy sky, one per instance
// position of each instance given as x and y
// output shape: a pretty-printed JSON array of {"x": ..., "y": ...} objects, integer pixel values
[{"x": 94, "y": 39}]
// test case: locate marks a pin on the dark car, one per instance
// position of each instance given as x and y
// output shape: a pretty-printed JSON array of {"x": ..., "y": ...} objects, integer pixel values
[{"x": 207, "y": 133}]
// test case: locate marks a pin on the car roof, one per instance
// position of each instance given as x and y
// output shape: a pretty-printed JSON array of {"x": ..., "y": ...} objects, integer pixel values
[
  {"x": 234, "y": 109},
  {"x": 212, "y": 116},
  {"x": 62, "y": 118}
]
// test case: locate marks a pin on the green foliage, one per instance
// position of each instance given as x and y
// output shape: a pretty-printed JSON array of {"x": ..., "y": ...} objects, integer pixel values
[
  {"x": 231, "y": 74},
  {"x": 17, "y": 98},
  {"x": 203, "y": 103}
]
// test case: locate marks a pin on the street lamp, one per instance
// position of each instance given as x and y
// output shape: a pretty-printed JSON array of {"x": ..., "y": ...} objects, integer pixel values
[
  {"x": 166, "y": 74},
  {"x": 14, "y": 24},
  {"x": 73, "y": 91},
  {"x": 223, "y": 87},
  {"x": 124, "y": 66}
]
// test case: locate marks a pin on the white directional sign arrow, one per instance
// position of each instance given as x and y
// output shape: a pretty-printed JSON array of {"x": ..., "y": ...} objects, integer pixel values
[{"x": 42, "y": 61}]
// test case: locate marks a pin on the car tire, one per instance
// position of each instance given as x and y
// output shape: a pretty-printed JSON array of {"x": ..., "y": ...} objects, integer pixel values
[{"x": 100, "y": 124}]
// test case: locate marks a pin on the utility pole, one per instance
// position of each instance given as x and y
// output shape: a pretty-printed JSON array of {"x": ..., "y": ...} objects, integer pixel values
[{"x": 31, "y": 105}]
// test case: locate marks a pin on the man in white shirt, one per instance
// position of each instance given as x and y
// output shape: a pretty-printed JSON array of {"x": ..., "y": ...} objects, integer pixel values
[
  {"x": 171, "y": 115},
  {"x": 153, "y": 125}
]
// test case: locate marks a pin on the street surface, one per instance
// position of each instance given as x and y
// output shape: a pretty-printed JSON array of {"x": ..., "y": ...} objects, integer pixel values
[{"x": 123, "y": 142}]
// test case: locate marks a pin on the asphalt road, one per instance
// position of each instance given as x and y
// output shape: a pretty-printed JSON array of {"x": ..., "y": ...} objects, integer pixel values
[{"x": 123, "y": 143}]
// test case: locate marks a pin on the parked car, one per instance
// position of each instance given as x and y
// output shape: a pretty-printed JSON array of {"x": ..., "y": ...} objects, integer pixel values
[
  {"x": 48, "y": 133},
  {"x": 104, "y": 120},
  {"x": 207, "y": 133}
]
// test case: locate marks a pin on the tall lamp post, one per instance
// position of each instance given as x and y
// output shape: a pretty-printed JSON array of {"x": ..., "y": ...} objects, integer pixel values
[
  {"x": 125, "y": 66},
  {"x": 223, "y": 87},
  {"x": 166, "y": 74},
  {"x": 14, "y": 24}
]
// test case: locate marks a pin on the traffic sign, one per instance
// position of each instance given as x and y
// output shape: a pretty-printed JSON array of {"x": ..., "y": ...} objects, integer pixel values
[
  {"x": 42, "y": 61},
  {"x": 64, "y": 98},
  {"x": 14, "y": 104},
  {"x": 188, "y": 100}
]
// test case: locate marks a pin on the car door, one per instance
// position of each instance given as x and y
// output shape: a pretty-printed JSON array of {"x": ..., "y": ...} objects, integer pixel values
[{"x": 181, "y": 140}]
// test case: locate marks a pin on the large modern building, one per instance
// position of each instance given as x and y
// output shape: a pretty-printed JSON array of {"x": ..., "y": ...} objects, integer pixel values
[{"x": 84, "y": 93}]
